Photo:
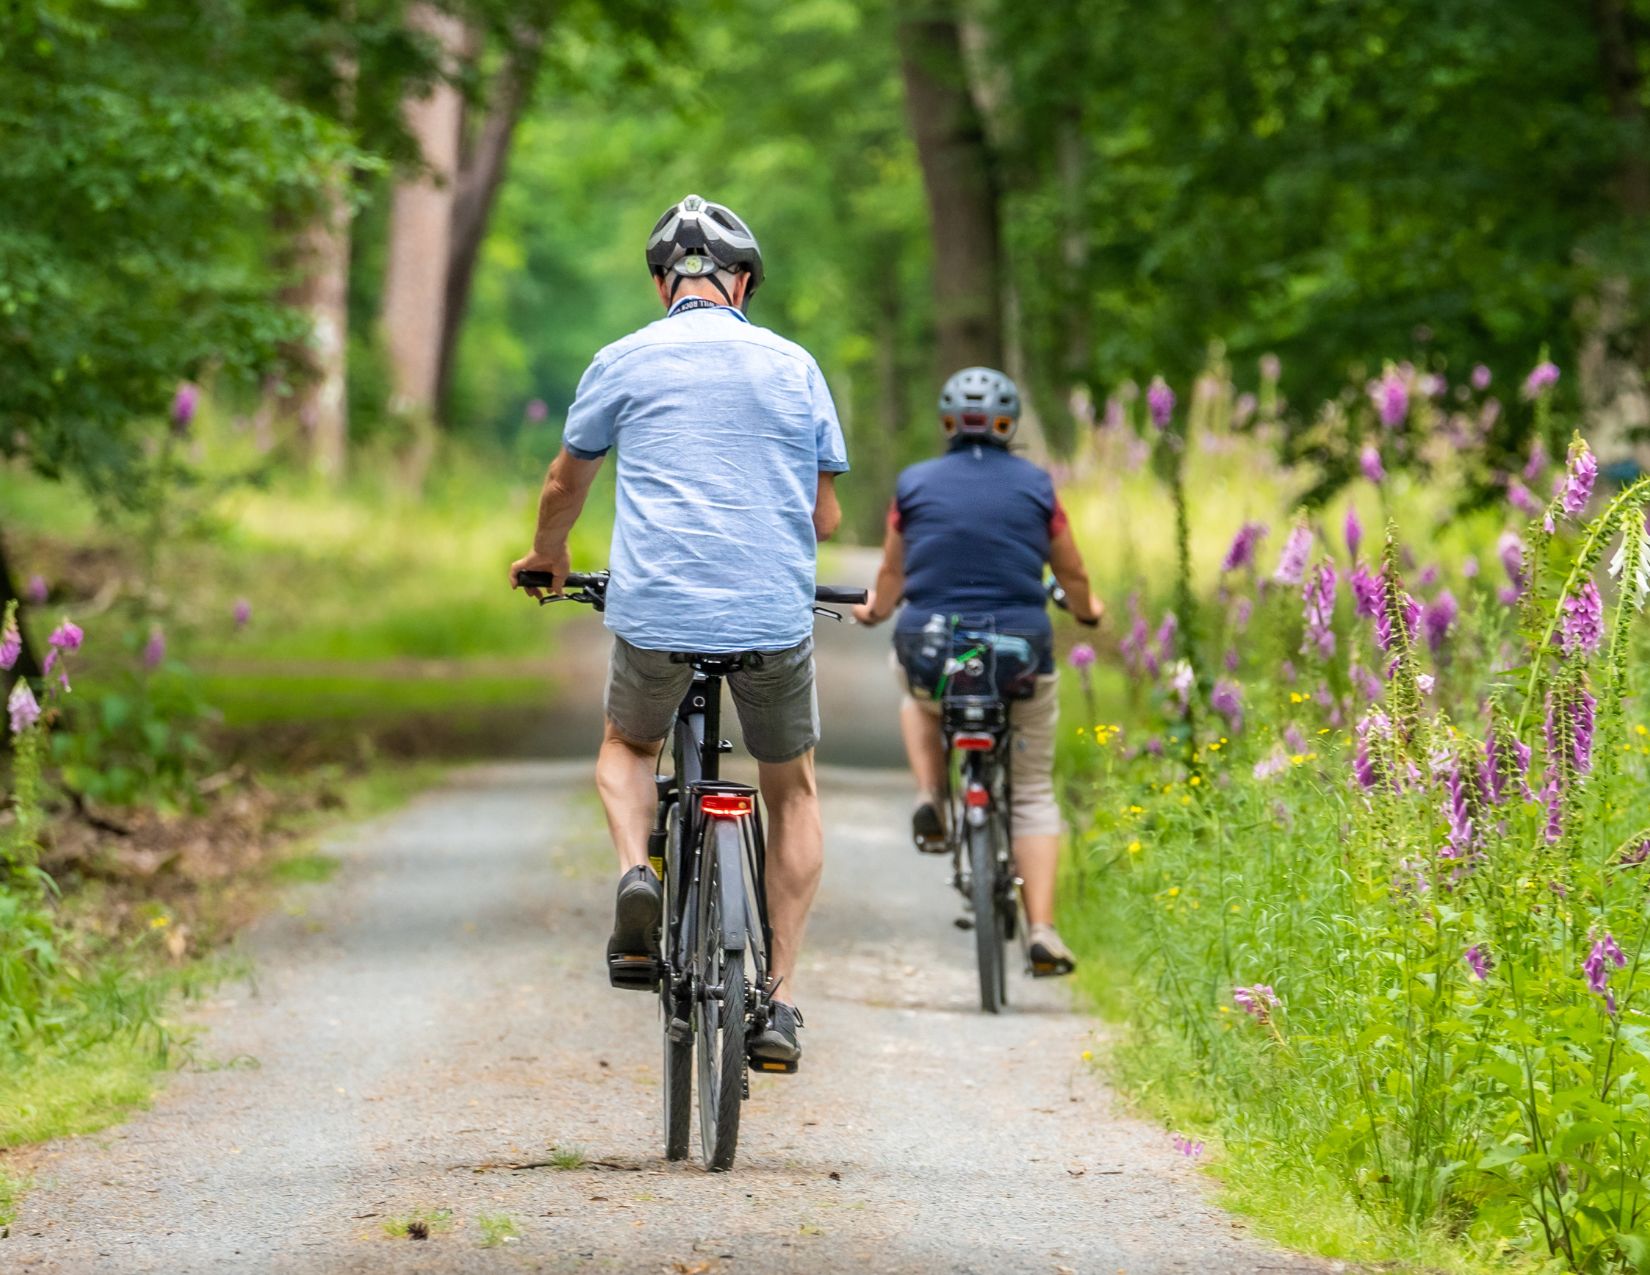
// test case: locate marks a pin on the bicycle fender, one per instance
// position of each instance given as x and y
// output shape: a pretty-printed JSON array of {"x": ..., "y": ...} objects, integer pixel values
[{"x": 730, "y": 882}]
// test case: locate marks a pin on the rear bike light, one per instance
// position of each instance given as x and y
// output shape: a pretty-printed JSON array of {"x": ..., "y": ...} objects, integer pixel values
[
  {"x": 976, "y": 798},
  {"x": 723, "y": 805},
  {"x": 973, "y": 743}
]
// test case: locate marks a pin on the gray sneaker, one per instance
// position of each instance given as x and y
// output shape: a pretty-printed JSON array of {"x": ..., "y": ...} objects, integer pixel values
[
  {"x": 1050, "y": 958},
  {"x": 777, "y": 1048},
  {"x": 633, "y": 951}
]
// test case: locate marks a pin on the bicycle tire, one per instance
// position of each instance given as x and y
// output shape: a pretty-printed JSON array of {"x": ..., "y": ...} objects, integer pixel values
[
  {"x": 719, "y": 1022},
  {"x": 678, "y": 1059},
  {"x": 988, "y": 922}
]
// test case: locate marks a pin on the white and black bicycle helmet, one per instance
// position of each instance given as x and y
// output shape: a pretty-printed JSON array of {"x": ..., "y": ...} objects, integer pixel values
[
  {"x": 695, "y": 238},
  {"x": 980, "y": 403}
]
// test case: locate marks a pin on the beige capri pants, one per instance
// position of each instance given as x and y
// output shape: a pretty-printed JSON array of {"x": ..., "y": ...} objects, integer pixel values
[{"x": 1034, "y": 811}]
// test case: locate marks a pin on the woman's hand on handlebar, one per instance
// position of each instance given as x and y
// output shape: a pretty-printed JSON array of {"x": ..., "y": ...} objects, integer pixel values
[{"x": 557, "y": 564}]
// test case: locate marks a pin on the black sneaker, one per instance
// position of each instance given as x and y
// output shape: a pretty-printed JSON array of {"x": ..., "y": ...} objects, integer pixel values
[
  {"x": 633, "y": 951},
  {"x": 927, "y": 829},
  {"x": 1050, "y": 958},
  {"x": 777, "y": 1048}
]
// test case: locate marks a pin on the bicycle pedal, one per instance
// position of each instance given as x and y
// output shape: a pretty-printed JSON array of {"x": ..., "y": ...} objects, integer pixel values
[
  {"x": 774, "y": 1065},
  {"x": 964, "y": 923},
  {"x": 633, "y": 973}
]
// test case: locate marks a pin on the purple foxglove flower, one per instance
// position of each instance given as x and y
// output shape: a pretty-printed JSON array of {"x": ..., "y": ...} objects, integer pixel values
[
  {"x": 1243, "y": 410},
  {"x": 1367, "y": 684},
  {"x": 243, "y": 613},
  {"x": 1391, "y": 398},
  {"x": 36, "y": 591},
  {"x": 1242, "y": 609},
  {"x": 1437, "y": 618},
  {"x": 1286, "y": 671},
  {"x": 1635, "y": 855},
  {"x": 1538, "y": 462},
  {"x": 1230, "y": 659},
  {"x": 1523, "y": 499},
  {"x": 184, "y": 403},
  {"x": 1582, "y": 627},
  {"x": 1165, "y": 637},
  {"x": 1293, "y": 740},
  {"x": 1428, "y": 576},
  {"x": 1543, "y": 376},
  {"x": 1292, "y": 562},
  {"x": 1605, "y": 955},
  {"x": 1319, "y": 597},
  {"x": 1469, "y": 567},
  {"x": 1242, "y": 551},
  {"x": 1408, "y": 608},
  {"x": 536, "y": 410},
  {"x": 1082, "y": 657},
  {"x": 1373, "y": 724},
  {"x": 1354, "y": 533},
  {"x": 1135, "y": 647},
  {"x": 67, "y": 636},
  {"x": 11, "y": 646},
  {"x": 1553, "y": 800},
  {"x": 1581, "y": 727},
  {"x": 1578, "y": 480},
  {"x": 1257, "y": 1001},
  {"x": 1180, "y": 683},
  {"x": 1271, "y": 368},
  {"x": 1424, "y": 682},
  {"x": 1478, "y": 962},
  {"x": 1369, "y": 462},
  {"x": 1367, "y": 592},
  {"x": 1227, "y": 699},
  {"x": 1506, "y": 759},
  {"x": 1160, "y": 402},
  {"x": 1432, "y": 385},
  {"x": 1480, "y": 378},
  {"x": 1463, "y": 836},
  {"x": 22, "y": 707},
  {"x": 154, "y": 650},
  {"x": 1511, "y": 551},
  {"x": 1273, "y": 764}
]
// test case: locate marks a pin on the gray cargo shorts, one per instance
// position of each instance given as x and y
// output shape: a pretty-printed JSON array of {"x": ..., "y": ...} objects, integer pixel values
[{"x": 777, "y": 704}]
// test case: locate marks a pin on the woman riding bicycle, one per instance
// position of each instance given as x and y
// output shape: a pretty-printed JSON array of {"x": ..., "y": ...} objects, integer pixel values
[{"x": 969, "y": 533}]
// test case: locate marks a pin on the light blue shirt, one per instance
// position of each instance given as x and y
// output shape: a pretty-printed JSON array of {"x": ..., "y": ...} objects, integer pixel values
[{"x": 722, "y": 429}]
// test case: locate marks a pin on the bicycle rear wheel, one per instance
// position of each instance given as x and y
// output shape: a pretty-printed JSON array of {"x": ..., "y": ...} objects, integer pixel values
[
  {"x": 720, "y": 1011},
  {"x": 676, "y": 1019},
  {"x": 990, "y": 934}
]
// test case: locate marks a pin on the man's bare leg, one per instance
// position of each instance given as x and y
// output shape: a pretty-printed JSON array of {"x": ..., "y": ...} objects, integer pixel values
[
  {"x": 796, "y": 858},
  {"x": 624, "y": 778}
]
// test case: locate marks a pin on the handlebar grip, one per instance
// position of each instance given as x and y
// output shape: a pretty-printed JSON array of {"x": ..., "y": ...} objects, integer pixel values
[
  {"x": 537, "y": 580},
  {"x": 1057, "y": 595},
  {"x": 839, "y": 596}
]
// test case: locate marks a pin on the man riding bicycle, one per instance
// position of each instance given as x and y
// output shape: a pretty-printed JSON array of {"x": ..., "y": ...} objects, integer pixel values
[
  {"x": 728, "y": 450},
  {"x": 968, "y": 534}
]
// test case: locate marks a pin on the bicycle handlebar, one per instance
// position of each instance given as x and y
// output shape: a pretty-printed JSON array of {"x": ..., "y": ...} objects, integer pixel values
[
  {"x": 1057, "y": 595},
  {"x": 594, "y": 583}
]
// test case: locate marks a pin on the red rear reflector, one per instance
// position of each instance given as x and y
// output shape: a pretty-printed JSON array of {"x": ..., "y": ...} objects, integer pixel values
[
  {"x": 976, "y": 798},
  {"x": 975, "y": 743},
  {"x": 722, "y": 805}
]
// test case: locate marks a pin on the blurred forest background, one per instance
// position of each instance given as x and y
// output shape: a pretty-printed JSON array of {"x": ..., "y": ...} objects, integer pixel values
[
  {"x": 391, "y": 226},
  {"x": 294, "y": 296}
]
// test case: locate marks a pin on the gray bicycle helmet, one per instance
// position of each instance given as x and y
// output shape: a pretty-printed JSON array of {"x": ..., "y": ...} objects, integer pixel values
[
  {"x": 695, "y": 238},
  {"x": 980, "y": 403}
]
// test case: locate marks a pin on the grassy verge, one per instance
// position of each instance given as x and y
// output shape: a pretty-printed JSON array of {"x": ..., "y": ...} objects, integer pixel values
[{"x": 110, "y": 1064}]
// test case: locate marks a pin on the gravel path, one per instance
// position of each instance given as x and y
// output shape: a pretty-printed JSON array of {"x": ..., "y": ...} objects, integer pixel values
[{"x": 437, "y": 1017}]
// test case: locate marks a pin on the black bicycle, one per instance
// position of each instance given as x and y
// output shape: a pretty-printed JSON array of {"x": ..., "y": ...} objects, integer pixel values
[
  {"x": 977, "y": 724},
  {"x": 979, "y": 735},
  {"x": 715, "y": 993}
]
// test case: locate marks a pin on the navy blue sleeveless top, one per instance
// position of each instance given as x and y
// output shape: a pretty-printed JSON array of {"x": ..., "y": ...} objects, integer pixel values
[{"x": 977, "y": 524}]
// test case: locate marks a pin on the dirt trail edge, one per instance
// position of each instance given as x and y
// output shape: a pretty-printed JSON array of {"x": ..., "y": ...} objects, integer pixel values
[{"x": 431, "y": 1036}]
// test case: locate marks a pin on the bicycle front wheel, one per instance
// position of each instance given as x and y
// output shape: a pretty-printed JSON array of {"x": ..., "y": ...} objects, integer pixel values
[
  {"x": 990, "y": 935},
  {"x": 720, "y": 1011}
]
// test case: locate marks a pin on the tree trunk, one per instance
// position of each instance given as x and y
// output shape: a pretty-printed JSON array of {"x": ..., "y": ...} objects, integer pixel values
[
  {"x": 480, "y": 174},
  {"x": 1611, "y": 362},
  {"x": 420, "y": 234},
  {"x": 960, "y": 182},
  {"x": 321, "y": 256},
  {"x": 28, "y": 664}
]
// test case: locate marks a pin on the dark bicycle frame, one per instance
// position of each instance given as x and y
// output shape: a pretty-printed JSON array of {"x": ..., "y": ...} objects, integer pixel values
[{"x": 687, "y": 863}]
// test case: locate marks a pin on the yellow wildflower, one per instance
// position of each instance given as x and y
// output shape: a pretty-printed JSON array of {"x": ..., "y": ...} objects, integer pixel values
[{"x": 1134, "y": 847}]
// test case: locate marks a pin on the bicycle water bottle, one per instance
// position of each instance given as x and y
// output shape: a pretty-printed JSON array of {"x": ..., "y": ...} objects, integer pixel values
[{"x": 935, "y": 636}]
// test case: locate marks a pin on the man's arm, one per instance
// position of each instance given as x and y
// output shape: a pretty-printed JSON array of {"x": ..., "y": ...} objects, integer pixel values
[
  {"x": 890, "y": 587},
  {"x": 566, "y": 485},
  {"x": 827, "y": 509},
  {"x": 1066, "y": 561}
]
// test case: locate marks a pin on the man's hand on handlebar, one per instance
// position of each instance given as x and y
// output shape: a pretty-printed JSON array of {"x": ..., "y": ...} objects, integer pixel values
[
  {"x": 557, "y": 564},
  {"x": 865, "y": 613}
]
